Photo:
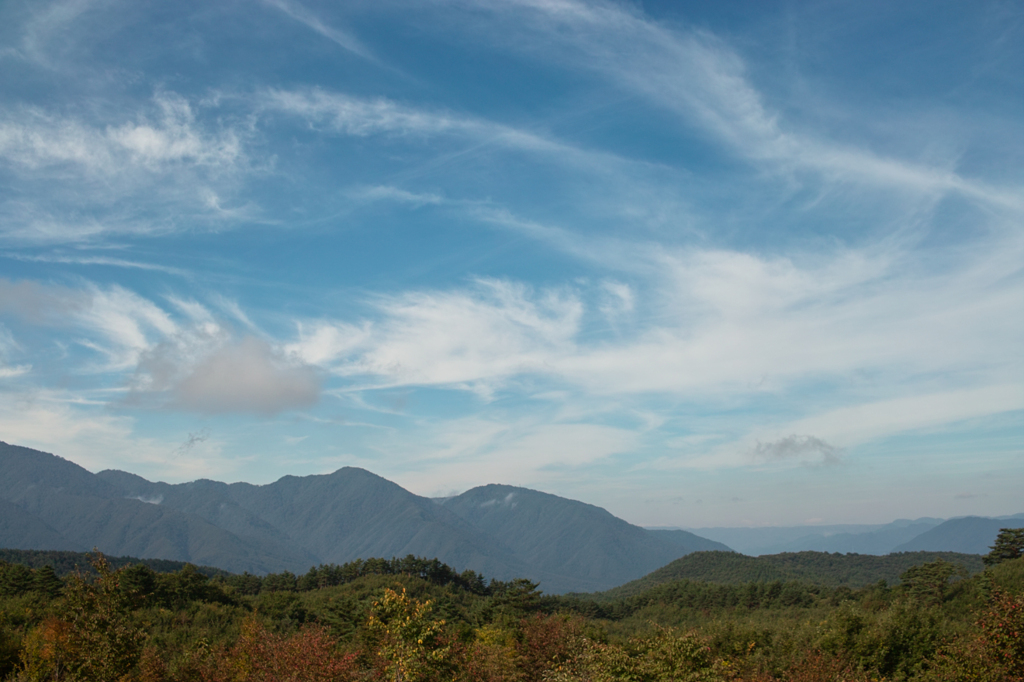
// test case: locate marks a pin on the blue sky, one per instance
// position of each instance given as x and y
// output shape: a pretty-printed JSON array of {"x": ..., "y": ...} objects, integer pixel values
[{"x": 702, "y": 264}]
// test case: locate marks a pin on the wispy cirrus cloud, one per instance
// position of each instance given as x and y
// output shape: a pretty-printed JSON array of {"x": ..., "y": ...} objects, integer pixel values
[
  {"x": 705, "y": 80},
  {"x": 83, "y": 430},
  {"x": 116, "y": 176},
  {"x": 303, "y": 15},
  {"x": 96, "y": 260},
  {"x": 499, "y": 330},
  {"x": 460, "y": 133},
  {"x": 34, "y": 139},
  {"x": 711, "y": 324}
]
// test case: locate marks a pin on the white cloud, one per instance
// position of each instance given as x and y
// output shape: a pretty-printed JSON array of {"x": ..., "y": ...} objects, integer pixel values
[
  {"x": 346, "y": 114},
  {"x": 195, "y": 364},
  {"x": 35, "y": 139},
  {"x": 127, "y": 321},
  {"x": 74, "y": 179},
  {"x": 358, "y": 116},
  {"x": 619, "y": 299},
  {"x": 709, "y": 321},
  {"x": 322, "y": 343},
  {"x": 48, "y": 29},
  {"x": 499, "y": 330}
]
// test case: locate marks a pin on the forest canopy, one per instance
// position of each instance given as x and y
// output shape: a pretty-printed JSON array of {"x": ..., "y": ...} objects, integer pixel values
[{"x": 419, "y": 619}]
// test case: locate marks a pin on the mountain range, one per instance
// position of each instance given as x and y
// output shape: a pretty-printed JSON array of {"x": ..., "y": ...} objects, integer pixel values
[{"x": 503, "y": 532}]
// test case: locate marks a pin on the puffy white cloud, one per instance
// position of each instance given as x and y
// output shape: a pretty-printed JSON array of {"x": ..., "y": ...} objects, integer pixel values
[
  {"x": 247, "y": 376},
  {"x": 194, "y": 364}
]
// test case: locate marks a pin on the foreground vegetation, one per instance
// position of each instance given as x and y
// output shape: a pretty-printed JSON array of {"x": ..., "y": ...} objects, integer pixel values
[{"x": 414, "y": 619}]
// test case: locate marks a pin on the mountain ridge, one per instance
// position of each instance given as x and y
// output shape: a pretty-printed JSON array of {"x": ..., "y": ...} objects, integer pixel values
[{"x": 300, "y": 521}]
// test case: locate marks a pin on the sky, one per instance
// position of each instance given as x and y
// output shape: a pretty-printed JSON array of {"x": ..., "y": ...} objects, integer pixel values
[{"x": 701, "y": 264}]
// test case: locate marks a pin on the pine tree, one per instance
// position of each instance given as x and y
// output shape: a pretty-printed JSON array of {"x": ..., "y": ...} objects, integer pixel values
[{"x": 1009, "y": 545}]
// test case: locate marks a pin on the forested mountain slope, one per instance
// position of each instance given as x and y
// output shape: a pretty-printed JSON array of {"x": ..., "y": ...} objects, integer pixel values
[
  {"x": 565, "y": 536},
  {"x": 818, "y": 568}
]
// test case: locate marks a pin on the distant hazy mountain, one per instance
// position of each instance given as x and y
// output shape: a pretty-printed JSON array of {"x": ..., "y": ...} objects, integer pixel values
[
  {"x": 969, "y": 534},
  {"x": 860, "y": 539},
  {"x": 567, "y": 537},
  {"x": 689, "y": 541},
  {"x": 49, "y": 503}
]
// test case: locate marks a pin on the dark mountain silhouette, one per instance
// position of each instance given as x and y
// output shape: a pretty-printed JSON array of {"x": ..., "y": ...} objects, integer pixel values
[
  {"x": 297, "y": 522},
  {"x": 969, "y": 534},
  {"x": 88, "y": 511}
]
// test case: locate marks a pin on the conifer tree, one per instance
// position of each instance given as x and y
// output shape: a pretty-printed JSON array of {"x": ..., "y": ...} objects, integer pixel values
[{"x": 1009, "y": 545}]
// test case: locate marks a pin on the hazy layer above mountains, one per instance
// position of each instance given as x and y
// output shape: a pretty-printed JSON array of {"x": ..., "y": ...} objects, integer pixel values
[{"x": 969, "y": 535}]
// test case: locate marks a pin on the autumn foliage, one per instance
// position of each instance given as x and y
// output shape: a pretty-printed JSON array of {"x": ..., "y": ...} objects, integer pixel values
[{"x": 132, "y": 625}]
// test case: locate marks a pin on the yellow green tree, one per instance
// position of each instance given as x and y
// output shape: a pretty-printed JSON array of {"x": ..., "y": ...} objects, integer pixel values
[{"x": 407, "y": 644}]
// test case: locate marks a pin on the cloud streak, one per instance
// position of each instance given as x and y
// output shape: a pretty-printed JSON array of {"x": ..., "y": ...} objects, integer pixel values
[
  {"x": 302, "y": 15},
  {"x": 700, "y": 77}
]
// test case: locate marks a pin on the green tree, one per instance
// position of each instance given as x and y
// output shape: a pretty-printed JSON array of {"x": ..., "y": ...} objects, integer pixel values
[
  {"x": 94, "y": 639},
  {"x": 1009, "y": 545},
  {"x": 929, "y": 583},
  {"x": 15, "y": 579},
  {"x": 409, "y": 645},
  {"x": 46, "y": 582}
]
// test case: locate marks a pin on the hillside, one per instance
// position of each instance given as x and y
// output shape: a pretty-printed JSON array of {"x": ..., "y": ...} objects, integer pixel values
[
  {"x": 64, "y": 563},
  {"x": 818, "y": 568}
]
